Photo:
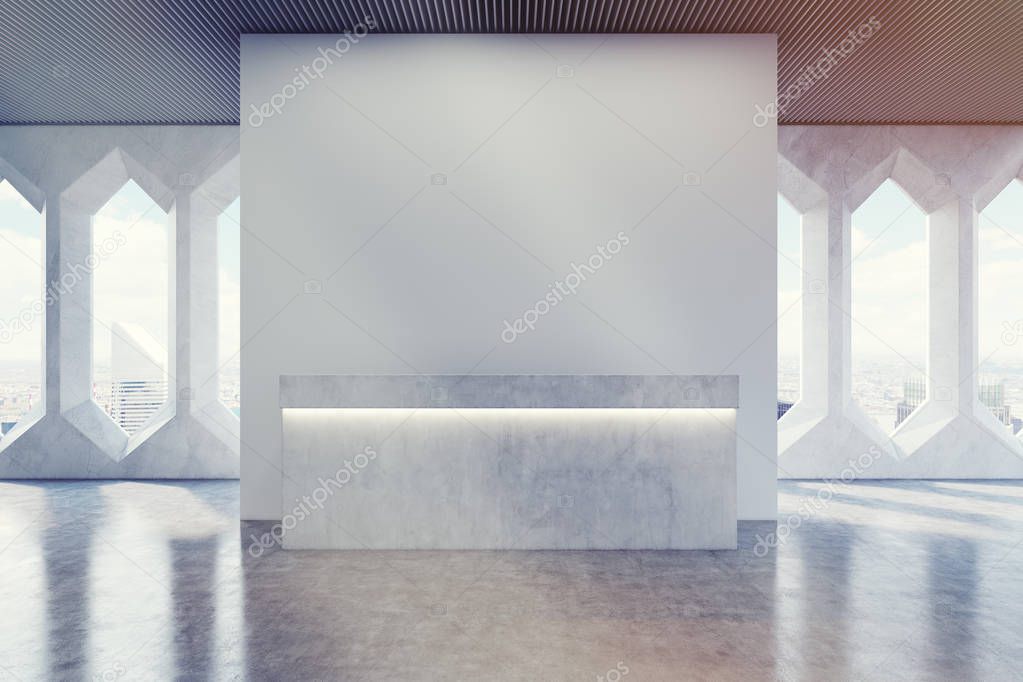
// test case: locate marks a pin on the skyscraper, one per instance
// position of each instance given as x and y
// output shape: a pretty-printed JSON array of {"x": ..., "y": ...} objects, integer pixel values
[
  {"x": 138, "y": 376},
  {"x": 914, "y": 392}
]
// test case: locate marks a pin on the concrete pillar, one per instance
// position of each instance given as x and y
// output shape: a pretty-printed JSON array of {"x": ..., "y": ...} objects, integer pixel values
[
  {"x": 180, "y": 318},
  {"x": 813, "y": 353},
  {"x": 968, "y": 323},
  {"x": 51, "y": 297},
  {"x": 198, "y": 244},
  {"x": 202, "y": 296},
  {"x": 839, "y": 323},
  {"x": 944, "y": 361},
  {"x": 74, "y": 281}
]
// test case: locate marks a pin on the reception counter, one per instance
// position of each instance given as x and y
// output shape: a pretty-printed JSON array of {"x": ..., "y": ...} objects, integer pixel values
[{"x": 509, "y": 461}]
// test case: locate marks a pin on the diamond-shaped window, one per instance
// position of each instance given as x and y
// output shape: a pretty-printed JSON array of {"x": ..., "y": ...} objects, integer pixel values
[
  {"x": 130, "y": 308},
  {"x": 889, "y": 305},
  {"x": 1000, "y": 313}
]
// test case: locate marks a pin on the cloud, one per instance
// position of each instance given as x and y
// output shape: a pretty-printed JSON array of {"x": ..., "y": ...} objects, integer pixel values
[
  {"x": 130, "y": 284},
  {"x": 10, "y": 196},
  {"x": 889, "y": 302},
  {"x": 997, "y": 242},
  {"x": 1001, "y": 286},
  {"x": 21, "y": 281},
  {"x": 790, "y": 323}
]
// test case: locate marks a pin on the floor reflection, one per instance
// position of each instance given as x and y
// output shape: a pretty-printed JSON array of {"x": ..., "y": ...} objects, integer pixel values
[
  {"x": 952, "y": 586},
  {"x": 828, "y": 572},
  {"x": 66, "y": 541},
  {"x": 107, "y": 580},
  {"x": 194, "y": 565}
]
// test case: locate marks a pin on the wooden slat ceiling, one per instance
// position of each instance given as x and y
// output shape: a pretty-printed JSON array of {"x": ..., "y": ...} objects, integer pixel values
[{"x": 176, "y": 61}]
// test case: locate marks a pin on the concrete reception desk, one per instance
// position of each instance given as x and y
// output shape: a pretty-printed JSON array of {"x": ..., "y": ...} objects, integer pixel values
[{"x": 509, "y": 462}]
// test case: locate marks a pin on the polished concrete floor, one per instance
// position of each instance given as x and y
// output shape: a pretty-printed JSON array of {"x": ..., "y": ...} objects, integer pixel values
[{"x": 140, "y": 580}]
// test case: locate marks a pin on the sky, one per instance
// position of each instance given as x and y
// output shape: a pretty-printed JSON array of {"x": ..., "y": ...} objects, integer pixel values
[
  {"x": 889, "y": 280},
  {"x": 889, "y": 276},
  {"x": 130, "y": 281},
  {"x": 21, "y": 281},
  {"x": 1000, "y": 240},
  {"x": 790, "y": 279}
]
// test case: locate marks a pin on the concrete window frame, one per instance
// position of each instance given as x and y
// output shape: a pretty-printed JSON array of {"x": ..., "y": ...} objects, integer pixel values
[
  {"x": 827, "y": 174},
  {"x": 79, "y": 204},
  {"x": 206, "y": 204},
  {"x": 76, "y": 169}
]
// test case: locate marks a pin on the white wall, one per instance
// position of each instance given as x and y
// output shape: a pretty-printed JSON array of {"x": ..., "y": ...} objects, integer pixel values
[{"x": 399, "y": 209}]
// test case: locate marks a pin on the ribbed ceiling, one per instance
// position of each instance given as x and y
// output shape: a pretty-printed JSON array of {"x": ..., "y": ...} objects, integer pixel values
[{"x": 176, "y": 61}]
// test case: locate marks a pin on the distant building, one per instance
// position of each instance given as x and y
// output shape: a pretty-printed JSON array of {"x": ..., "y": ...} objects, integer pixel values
[
  {"x": 992, "y": 396},
  {"x": 914, "y": 393},
  {"x": 16, "y": 406},
  {"x": 783, "y": 407},
  {"x": 138, "y": 376}
]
